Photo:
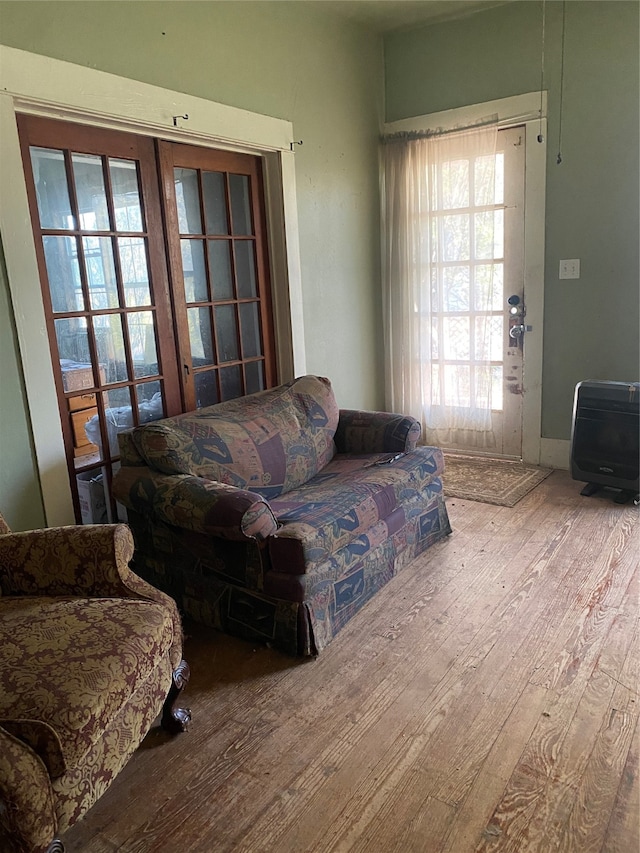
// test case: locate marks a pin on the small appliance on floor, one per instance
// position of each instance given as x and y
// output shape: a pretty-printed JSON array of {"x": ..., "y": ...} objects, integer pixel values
[{"x": 605, "y": 438}]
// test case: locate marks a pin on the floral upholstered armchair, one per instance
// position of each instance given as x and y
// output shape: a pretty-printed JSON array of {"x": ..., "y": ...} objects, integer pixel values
[{"x": 90, "y": 655}]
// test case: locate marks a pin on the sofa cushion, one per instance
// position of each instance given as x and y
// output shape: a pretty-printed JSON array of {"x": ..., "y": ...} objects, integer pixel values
[
  {"x": 350, "y": 496},
  {"x": 269, "y": 442},
  {"x": 67, "y": 666}
]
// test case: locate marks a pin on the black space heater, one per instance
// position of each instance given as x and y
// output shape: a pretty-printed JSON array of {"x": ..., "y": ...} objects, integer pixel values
[{"x": 605, "y": 438}]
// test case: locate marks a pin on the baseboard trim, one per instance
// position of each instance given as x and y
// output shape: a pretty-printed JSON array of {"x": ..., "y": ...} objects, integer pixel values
[{"x": 555, "y": 453}]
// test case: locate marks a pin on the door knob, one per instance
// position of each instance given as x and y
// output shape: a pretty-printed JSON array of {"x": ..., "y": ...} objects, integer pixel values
[{"x": 519, "y": 330}]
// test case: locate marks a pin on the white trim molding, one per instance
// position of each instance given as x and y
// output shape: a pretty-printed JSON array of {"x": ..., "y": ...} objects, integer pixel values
[
  {"x": 530, "y": 111},
  {"x": 507, "y": 111},
  {"x": 45, "y": 86},
  {"x": 39, "y": 85}
]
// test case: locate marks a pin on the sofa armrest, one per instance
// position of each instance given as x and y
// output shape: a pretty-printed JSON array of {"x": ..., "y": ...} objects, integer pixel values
[
  {"x": 195, "y": 503},
  {"x": 27, "y": 818},
  {"x": 376, "y": 432}
]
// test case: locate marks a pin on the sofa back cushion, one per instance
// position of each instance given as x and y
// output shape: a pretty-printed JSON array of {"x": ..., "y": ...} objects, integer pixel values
[{"x": 269, "y": 442}]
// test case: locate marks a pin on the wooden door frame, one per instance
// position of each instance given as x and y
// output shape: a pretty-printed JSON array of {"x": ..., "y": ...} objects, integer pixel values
[
  {"x": 39, "y": 85},
  {"x": 530, "y": 111}
]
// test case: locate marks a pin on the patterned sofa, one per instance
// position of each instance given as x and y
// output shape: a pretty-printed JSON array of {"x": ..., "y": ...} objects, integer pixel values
[
  {"x": 90, "y": 654},
  {"x": 276, "y": 517}
]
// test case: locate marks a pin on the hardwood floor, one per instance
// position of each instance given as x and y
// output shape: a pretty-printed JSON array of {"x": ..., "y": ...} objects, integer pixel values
[{"x": 485, "y": 701}]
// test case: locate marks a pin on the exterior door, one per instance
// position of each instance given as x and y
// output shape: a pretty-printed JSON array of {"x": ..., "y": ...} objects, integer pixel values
[
  {"x": 501, "y": 259},
  {"x": 134, "y": 337}
]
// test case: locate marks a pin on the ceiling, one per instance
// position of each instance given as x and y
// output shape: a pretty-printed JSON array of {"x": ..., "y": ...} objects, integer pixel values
[{"x": 387, "y": 15}]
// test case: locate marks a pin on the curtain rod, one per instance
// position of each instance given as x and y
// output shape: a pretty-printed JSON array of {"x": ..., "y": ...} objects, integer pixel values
[{"x": 429, "y": 133}]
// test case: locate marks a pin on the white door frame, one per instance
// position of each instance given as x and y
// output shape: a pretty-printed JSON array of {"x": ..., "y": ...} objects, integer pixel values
[
  {"x": 39, "y": 85},
  {"x": 529, "y": 111}
]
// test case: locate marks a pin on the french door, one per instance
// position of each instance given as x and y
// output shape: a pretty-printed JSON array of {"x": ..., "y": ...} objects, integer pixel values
[
  {"x": 154, "y": 274},
  {"x": 219, "y": 271}
]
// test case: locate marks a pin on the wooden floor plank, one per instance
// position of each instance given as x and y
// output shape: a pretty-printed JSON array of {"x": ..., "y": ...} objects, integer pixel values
[
  {"x": 409, "y": 821},
  {"x": 474, "y": 812},
  {"x": 623, "y": 830},
  {"x": 559, "y": 804},
  {"x": 508, "y": 827},
  {"x": 548, "y": 807},
  {"x": 620, "y": 652},
  {"x": 597, "y": 788},
  {"x": 593, "y": 606}
]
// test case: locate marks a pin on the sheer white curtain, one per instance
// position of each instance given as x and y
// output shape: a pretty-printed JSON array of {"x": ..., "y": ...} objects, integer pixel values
[{"x": 440, "y": 224}]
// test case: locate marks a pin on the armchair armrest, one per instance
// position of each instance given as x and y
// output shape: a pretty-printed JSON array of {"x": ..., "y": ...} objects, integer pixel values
[
  {"x": 376, "y": 432},
  {"x": 83, "y": 560},
  {"x": 195, "y": 503},
  {"x": 91, "y": 560}
]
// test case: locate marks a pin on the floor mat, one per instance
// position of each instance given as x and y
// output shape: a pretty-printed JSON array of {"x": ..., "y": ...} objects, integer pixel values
[{"x": 491, "y": 481}]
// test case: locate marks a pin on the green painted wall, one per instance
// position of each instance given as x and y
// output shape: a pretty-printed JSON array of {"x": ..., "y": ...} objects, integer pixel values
[
  {"x": 282, "y": 59},
  {"x": 591, "y": 325}
]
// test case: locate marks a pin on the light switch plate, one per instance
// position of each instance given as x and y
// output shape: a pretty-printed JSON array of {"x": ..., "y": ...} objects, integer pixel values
[{"x": 570, "y": 268}]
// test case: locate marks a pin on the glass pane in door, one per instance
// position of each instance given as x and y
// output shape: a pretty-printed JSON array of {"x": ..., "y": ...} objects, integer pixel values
[
  {"x": 201, "y": 336},
  {"x": 220, "y": 269},
  {"x": 206, "y": 388},
  {"x": 126, "y": 195},
  {"x": 135, "y": 271},
  {"x": 489, "y": 234},
  {"x": 117, "y": 416},
  {"x": 245, "y": 268},
  {"x": 231, "y": 382},
  {"x": 72, "y": 338},
  {"x": 110, "y": 348},
  {"x": 489, "y": 287},
  {"x": 227, "y": 331},
  {"x": 188, "y": 201},
  {"x": 254, "y": 376},
  {"x": 149, "y": 401},
  {"x": 240, "y": 204},
  {"x": 92, "y": 197},
  {"x": 489, "y": 179},
  {"x": 250, "y": 325},
  {"x": 52, "y": 191},
  {"x": 142, "y": 343},
  {"x": 215, "y": 202},
  {"x": 194, "y": 272},
  {"x": 455, "y": 184},
  {"x": 100, "y": 272},
  {"x": 63, "y": 273},
  {"x": 455, "y": 288}
]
